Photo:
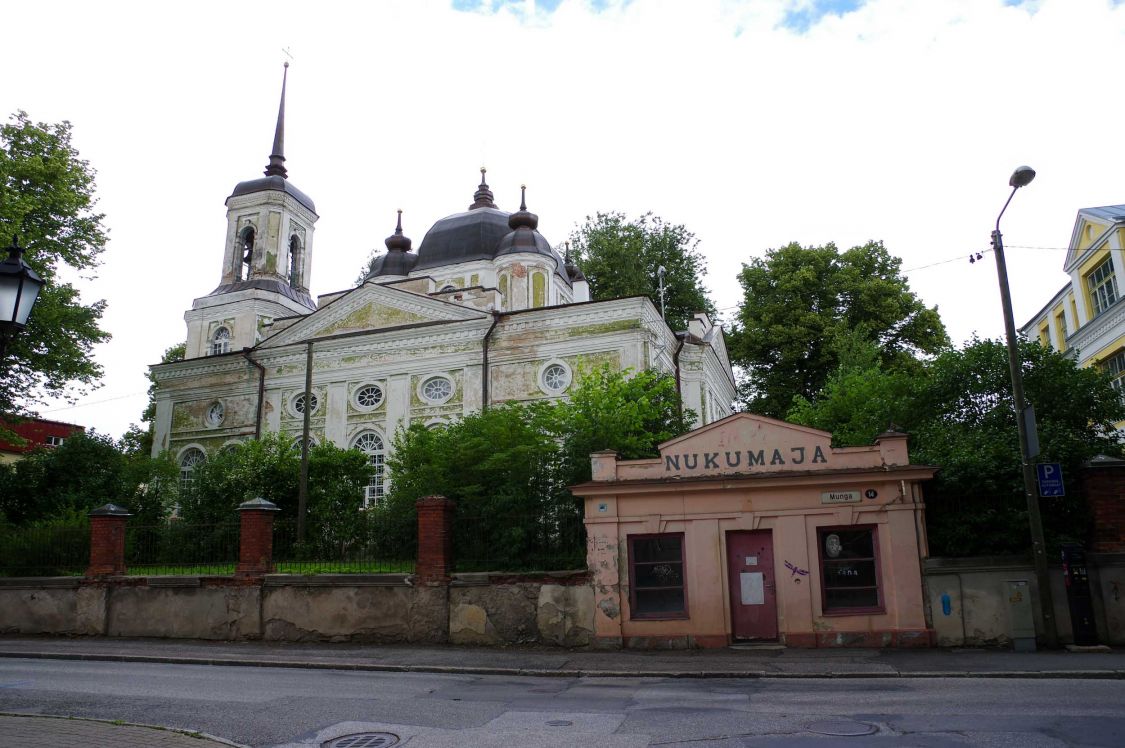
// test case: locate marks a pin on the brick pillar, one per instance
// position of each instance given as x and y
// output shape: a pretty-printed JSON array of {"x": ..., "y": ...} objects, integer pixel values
[
  {"x": 1103, "y": 484},
  {"x": 107, "y": 541},
  {"x": 435, "y": 540},
  {"x": 255, "y": 538}
]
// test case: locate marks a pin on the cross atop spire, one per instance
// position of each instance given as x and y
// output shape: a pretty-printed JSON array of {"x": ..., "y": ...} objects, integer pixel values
[{"x": 276, "y": 165}]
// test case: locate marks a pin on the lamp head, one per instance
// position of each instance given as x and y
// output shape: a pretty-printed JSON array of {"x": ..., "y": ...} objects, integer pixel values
[{"x": 1021, "y": 177}]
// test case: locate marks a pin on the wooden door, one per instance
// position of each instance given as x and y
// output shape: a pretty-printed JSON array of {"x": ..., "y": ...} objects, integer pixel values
[{"x": 753, "y": 591}]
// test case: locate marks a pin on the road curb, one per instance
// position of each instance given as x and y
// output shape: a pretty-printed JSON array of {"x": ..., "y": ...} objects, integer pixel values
[
  {"x": 1100, "y": 674},
  {"x": 194, "y": 734}
]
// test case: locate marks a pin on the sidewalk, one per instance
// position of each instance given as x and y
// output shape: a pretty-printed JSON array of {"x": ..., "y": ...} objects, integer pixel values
[
  {"x": 33, "y": 731},
  {"x": 762, "y": 662}
]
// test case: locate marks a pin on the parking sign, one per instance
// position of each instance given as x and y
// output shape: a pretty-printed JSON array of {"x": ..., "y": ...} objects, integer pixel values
[{"x": 1050, "y": 479}]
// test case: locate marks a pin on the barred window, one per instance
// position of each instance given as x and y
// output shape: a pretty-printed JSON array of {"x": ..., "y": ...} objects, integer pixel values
[
  {"x": 656, "y": 576},
  {"x": 849, "y": 568}
]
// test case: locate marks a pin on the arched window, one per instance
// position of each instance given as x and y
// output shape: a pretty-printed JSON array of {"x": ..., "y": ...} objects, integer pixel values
[
  {"x": 371, "y": 444},
  {"x": 246, "y": 243},
  {"x": 189, "y": 459},
  {"x": 294, "y": 261},
  {"x": 538, "y": 290},
  {"x": 220, "y": 341}
]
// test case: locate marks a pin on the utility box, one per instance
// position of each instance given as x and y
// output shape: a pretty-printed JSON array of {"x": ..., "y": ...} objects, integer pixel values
[
  {"x": 1078, "y": 596},
  {"x": 1020, "y": 620}
]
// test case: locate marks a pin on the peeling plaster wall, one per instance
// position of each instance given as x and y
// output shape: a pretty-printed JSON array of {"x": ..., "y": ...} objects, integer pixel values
[
  {"x": 551, "y": 608},
  {"x": 977, "y": 603}
]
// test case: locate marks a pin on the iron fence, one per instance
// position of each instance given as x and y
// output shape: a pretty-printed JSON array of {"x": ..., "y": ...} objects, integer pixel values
[
  {"x": 175, "y": 548},
  {"x": 365, "y": 543},
  {"x": 548, "y": 541},
  {"x": 44, "y": 551}
]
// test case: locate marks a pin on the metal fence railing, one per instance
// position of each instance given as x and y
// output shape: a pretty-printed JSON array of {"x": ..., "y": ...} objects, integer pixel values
[
  {"x": 516, "y": 543},
  {"x": 44, "y": 551},
  {"x": 363, "y": 544},
  {"x": 175, "y": 548}
]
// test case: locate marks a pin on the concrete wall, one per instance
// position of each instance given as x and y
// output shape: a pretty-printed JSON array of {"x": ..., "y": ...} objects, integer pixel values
[
  {"x": 979, "y": 609},
  {"x": 552, "y": 608}
]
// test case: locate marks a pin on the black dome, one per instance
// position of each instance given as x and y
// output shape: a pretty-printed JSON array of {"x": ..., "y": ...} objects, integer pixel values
[
  {"x": 392, "y": 263},
  {"x": 463, "y": 237},
  {"x": 281, "y": 184}
]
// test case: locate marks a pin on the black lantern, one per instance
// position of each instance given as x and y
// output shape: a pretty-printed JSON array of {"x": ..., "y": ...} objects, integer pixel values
[{"x": 19, "y": 288}]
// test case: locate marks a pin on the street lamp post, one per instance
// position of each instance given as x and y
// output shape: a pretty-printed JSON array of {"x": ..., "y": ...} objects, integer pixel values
[
  {"x": 1021, "y": 177},
  {"x": 19, "y": 288}
]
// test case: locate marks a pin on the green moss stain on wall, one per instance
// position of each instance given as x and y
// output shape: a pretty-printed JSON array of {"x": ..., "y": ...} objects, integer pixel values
[
  {"x": 373, "y": 316},
  {"x": 538, "y": 290}
]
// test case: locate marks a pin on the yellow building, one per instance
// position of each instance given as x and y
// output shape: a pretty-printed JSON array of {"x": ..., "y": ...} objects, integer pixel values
[{"x": 1087, "y": 317}]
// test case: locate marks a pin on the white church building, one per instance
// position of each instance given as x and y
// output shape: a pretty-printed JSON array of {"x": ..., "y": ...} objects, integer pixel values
[{"x": 483, "y": 312}]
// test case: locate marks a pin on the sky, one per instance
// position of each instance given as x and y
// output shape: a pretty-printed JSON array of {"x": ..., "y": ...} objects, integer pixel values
[{"x": 754, "y": 123}]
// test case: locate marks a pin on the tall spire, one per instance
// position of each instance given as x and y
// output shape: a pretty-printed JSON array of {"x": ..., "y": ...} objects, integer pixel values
[
  {"x": 276, "y": 167},
  {"x": 482, "y": 198}
]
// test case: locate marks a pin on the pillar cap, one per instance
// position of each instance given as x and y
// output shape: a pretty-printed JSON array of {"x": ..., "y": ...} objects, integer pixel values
[
  {"x": 434, "y": 501},
  {"x": 110, "y": 510},
  {"x": 259, "y": 504}
]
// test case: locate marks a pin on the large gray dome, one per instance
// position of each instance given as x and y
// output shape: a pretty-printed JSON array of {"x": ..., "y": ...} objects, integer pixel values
[{"x": 463, "y": 237}]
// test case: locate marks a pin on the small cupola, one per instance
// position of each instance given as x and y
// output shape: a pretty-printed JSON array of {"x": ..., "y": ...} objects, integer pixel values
[
  {"x": 398, "y": 261},
  {"x": 524, "y": 236}
]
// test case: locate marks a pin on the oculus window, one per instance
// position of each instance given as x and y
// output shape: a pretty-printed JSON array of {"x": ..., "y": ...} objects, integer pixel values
[
  {"x": 368, "y": 397},
  {"x": 298, "y": 403},
  {"x": 436, "y": 390}
]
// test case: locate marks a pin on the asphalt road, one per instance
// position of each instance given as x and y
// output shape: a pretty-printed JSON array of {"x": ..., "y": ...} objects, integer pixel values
[{"x": 292, "y": 707}]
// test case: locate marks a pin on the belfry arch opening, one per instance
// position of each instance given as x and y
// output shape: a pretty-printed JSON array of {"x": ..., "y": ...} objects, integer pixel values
[{"x": 246, "y": 253}]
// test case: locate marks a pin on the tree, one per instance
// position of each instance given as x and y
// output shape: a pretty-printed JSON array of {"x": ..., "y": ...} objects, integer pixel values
[
  {"x": 959, "y": 413},
  {"x": 47, "y": 199},
  {"x": 508, "y": 468},
  {"x": 620, "y": 257},
  {"x": 86, "y": 471},
  {"x": 798, "y": 300}
]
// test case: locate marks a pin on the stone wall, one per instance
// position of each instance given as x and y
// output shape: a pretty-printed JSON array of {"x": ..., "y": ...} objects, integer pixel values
[
  {"x": 554, "y": 608},
  {"x": 978, "y": 610}
]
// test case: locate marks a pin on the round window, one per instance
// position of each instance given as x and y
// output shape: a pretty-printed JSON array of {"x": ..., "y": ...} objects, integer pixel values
[
  {"x": 554, "y": 378},
  {"x": 437, "y": 389},
  {"x": 369, "y": 396},
  {"x": 299, "y": 403},
  {"x": 215, "y": 414}
]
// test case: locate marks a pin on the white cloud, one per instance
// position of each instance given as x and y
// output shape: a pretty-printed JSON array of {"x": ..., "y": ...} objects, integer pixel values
[{"x": 899, "y": 120}]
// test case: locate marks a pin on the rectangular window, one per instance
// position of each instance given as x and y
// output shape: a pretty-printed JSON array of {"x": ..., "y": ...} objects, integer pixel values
[
  {"x": 1115, "y": 365},
  {"x": 656, "y": 576},
  {"x": 1103, "y": 286},
  {"x": 849, "y": 565},
  {"x": 1060, "y": 330},
  {"x": 55, "y": 441}
]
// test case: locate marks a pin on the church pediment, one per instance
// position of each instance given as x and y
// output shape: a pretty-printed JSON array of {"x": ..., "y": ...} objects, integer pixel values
[
  {"x": 746, "y": 443},
  {"x": 371, "y": 308}
]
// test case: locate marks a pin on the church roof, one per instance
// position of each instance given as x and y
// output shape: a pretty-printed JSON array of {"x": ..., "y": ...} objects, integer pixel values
[
  {"x": 266, "y": 284},
  {"x": 281, "y": 184}
]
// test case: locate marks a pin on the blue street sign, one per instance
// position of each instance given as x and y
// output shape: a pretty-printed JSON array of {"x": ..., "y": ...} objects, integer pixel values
[{"x": 1050, "y": 479}]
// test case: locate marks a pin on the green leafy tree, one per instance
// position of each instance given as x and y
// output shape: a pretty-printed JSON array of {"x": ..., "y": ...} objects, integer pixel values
[
  {"x": 86, "y": 471},
  {"x": 799, "y": 300},
  {"x": 508, "y": 468},
  {"x": 620, "y": 257},
  {"x": 958, "y": 410},
  {"x": 47, "y": 199}
]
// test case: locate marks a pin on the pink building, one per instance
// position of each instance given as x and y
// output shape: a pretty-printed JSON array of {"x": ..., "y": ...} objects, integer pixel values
[{"x": 755, "y": 529}]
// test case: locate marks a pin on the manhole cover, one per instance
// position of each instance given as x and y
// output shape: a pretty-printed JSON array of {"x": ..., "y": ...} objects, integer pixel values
[
  {"x": 843, "y": 728},
  {"x": 559, "y": 723},
  {"x": 363, "y": 740}
]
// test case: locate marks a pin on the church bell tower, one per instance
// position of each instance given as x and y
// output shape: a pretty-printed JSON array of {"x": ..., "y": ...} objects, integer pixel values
[{"x": 267, "y": 259}]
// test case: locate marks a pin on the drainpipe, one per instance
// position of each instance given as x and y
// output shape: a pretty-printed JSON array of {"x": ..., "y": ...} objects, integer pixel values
[
  {"x": 303, "y": 486},
  {"x": 261, "y": 391},
  {"x": 484, "y": 361},
  {"x": 676, "y": 366}
]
